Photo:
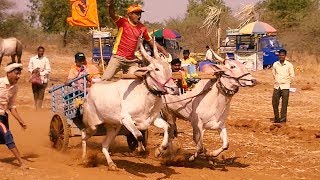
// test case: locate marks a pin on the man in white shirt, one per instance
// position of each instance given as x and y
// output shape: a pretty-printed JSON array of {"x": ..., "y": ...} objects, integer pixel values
[
  {"x": 39, "y": 65},
  {"x": 8, "y": 95},
  {"x": 209, "y": 55},
  {"x": 283, "y": 75}
]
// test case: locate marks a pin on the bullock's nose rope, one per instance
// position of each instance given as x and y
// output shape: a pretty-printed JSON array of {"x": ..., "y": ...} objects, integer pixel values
[
  {"x": 162, "y": 85},
  {"x": 237, "y": 78}
]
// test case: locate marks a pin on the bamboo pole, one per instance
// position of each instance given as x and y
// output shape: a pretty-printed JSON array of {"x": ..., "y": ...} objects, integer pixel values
[
  {"x": 175, "y": 75},
  {"x": 100, "y": 47}
]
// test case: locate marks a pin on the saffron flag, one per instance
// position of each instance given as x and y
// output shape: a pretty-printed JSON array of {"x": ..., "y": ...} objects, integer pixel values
[{"x": 84, "y": 13}]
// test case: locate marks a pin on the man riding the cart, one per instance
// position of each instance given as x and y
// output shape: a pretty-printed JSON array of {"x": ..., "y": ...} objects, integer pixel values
[
  {"x": 80, "y": 68},
  {"x": 129, "y": 31}
]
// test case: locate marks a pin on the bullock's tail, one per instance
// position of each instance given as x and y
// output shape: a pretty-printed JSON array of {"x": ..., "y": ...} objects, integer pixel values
[{"x": 19, "y": 50}]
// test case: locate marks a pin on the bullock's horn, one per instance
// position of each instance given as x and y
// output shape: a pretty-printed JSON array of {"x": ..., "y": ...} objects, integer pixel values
[
  {"x": 144, "y": 52},
  {"x": 155, "y": 49}
]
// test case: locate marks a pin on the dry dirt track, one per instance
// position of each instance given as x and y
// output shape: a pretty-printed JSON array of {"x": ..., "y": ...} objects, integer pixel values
[{"x": 258, "y": 149}]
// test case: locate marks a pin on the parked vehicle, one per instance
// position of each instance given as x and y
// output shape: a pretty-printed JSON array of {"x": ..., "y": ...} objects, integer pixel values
[
  {"x": 107, "y": 41},
  {"x": 256, "y": 51}
]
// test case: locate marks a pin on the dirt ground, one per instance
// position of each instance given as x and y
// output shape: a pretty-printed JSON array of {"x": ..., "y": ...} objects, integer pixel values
[{"x": 258, "y": 149}]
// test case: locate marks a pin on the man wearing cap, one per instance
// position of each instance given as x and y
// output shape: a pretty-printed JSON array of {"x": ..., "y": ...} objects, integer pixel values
[
  {"x": 80, "y": 68},
  {"x": 8, "y": 94},
  {"x": 129, "y": 31},
  {"x": 39, "y": 65}
]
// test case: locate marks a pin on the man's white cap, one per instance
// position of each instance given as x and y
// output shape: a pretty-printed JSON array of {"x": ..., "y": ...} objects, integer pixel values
[{"x": 13, "y": 66}]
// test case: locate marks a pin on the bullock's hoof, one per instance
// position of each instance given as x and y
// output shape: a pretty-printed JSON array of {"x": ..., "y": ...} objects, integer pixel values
[
  {"x": 192, "y": 158},
  {"x": 215, "y": 153},
  {"x": 141, "y": 148},
  {"x": 113, "y": 167},
  {"x": 158, "y": 152}
]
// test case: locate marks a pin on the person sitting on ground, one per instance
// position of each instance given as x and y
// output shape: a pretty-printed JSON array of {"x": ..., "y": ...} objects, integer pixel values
[
  {"x": 130, "y": 30},
  {"x": 8, "y": 94},
  {"x": 80, "y": 68}
]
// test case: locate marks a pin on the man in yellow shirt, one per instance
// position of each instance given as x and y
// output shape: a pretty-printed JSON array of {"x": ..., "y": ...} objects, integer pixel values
[
  {"x": 187, "y": 60},
  {"x": 283, "y": 74}
]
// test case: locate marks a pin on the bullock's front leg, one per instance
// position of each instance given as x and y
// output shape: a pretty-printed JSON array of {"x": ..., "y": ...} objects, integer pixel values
[
  {"x": 129, "y": 124},
  {"x": 85, "y": 135},
  {"x": 225, "y": 144},
  {"x": 112, "y": 132},
  {"x": 198, "y": 132},
  {"x": 167, "y": 141}
]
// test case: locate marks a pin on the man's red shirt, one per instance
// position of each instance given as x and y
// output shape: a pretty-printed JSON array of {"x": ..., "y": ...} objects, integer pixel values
[{"x": 127, "y": 38}]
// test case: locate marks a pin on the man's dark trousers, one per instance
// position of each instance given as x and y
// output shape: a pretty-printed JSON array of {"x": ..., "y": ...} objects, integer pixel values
[{"x": 284, "y": 95}]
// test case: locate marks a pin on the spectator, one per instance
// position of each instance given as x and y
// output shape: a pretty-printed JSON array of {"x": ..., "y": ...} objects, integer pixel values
[
  {"x": 209, "y": 55},
  {"x": 8, "y": 94},
  {"x": 187, "y": 60},
  {"x": 39, "y": 67},
  {"x": 283, "y": 74}
]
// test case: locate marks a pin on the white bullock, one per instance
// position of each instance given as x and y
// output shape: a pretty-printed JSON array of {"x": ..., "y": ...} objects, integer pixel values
[
  {"x": 10, "y": 47},
  {"x": 133, "y": 103},
  {"x": 207, "y": 105}
]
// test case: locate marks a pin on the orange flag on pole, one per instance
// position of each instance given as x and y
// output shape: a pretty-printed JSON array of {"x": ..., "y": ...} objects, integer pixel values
[{"x": 84, "y": 13}]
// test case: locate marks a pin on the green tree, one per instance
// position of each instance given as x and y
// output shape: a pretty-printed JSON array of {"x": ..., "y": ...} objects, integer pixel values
[
  {"x": 34, "y": 7},
  {"x": 53, "y": 14},
  {"x": 4, "y": 6},
  {"x": 189, "y": 27},
  {"x": 289, "y": 12},
  {"x": 120, "y": 7}
]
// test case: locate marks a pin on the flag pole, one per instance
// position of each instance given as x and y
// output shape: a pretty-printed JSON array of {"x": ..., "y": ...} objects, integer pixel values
[
  {"x": 100, "y": 42},
  {"x": 100, "y": 46}
]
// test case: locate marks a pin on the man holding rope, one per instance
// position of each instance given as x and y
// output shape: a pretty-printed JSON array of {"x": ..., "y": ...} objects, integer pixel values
[{"x": 129, "y": 31}]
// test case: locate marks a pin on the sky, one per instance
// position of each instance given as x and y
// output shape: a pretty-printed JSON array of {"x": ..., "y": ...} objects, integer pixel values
[{"x": 160, "y": 10}]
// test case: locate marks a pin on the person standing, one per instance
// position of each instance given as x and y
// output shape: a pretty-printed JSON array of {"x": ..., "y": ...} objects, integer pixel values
[
  {"x": 39, "y": 65},
  {"x": 8, "y": 94},
  {"x": 129, "y": 31},
  {"x": 283, "y": 75},
  {"x": 209, "y": 55}
]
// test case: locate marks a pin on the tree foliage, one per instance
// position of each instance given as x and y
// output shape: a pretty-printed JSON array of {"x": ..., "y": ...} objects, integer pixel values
[
  {"x": 194, "y": 37},
  {"x": 289, "y": 12},
  {"x": 120, "y": 7},
  {"x": 4, "y": 6}
]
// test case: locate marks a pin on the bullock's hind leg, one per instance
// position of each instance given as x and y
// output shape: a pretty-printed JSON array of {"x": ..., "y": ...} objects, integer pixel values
[
  {"x": 13, "y": 58},
  {"x": 112, "y": 132},
  {"x": 1, "y": 59},
  {"x": 167, "y": 141},
  {"x": 198, "y": 132},
  {"x": 85, "y": 135},
  {"x": 19, "y": 58}
]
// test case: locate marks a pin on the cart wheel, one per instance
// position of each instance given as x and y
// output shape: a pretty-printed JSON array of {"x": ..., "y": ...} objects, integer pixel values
[
  {"x": 133, "y": 143},
  {"x": 59, "y": 133}
]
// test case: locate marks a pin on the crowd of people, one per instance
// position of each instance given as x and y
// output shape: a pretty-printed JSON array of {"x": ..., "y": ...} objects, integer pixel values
[{"x": 130, "y": 29}]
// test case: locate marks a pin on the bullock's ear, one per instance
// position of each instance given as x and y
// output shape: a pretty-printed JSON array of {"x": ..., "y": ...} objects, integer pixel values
[
  {"x": 218, "y": 69},
  {"x": 141, "y": 71}
]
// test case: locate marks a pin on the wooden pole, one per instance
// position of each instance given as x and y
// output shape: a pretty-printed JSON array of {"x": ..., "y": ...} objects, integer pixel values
[
  {"x": 175, "y": 75},
  {"x": 218, "y": 35},
  {"x": 100, "y": 47}
]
